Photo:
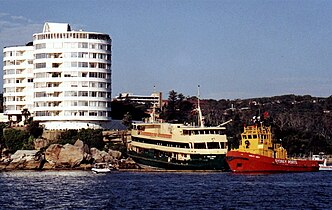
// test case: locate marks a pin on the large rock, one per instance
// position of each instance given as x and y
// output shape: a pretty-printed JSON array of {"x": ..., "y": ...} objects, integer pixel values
[
  {"x": 100, "y": 156},
  {"x": 95, "y": 155},
  {"x": 115, "y": 154},
  {"x": 85, "y": 149},
  {"x": 79, "y": 144},
  {"x": 24, "y": 159},
  {"x": 127, "y": 164},
  {"x": 52, "y": 153},
  {"x": 70, "y": 156},
  {"x": 40, "y": 143}
]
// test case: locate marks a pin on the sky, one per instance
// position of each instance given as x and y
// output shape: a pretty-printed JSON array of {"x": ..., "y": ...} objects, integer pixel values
[{"x": 233, "y": 49}]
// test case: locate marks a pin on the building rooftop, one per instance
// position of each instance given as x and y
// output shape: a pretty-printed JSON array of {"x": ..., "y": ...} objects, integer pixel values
[{"x": 56, "y": 27}]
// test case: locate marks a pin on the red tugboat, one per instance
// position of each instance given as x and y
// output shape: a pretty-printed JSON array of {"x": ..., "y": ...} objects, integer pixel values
[{"x": 257, "y": 154}]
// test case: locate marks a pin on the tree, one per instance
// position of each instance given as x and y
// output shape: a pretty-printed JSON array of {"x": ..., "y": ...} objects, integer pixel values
[
  {"x": 121, "y": 108},
  {"x": 25, "y": 114},
  {"x": 34, "y": 129},
  {"x": 91, "y": 137},
  {"x": 127, "y": 120},
  {"x": 68, "y": 137},
  {"x": 177, "y": 109}
]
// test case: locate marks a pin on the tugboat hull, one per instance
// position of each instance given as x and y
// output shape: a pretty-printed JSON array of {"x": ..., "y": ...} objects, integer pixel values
[{"x": 244, "y": 162}]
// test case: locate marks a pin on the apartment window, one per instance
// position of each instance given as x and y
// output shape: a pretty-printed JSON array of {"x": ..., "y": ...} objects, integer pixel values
[
  {"x": 73, "y": 103},
  {"x": 93, "y": 74},
  {"x": 102, "y": 104},
  {"x": 56, "y": 65},
  {"x": 101, "y": 56},
  {"x": 73, "y": 84},
  {"x": 55, "y": 74},
  {"x": 102, "y": 65},
  {"x": 57, "y": 45},
  {"x": 10, "y": 107},
  {"x": 40, "y": 55},
  {"x": 102, "y": 94},
  {"x": 70, "y": 93},
  {"x": 93, "y": 55},
  {"x": 93, "y": 65},
  {"x": 40, "y": 94},
  {"x": 83, "y": 103},
  {"x": 83, "y": 93},
  {"x": 102, "y": 85},
  {"x": 82, "y": 45},
  {"x": 83, "y": 113},
  {"x": 73, "y": 55},
  {"x": 93, "y": 113},
  {"x": 40, "y": 84},
  {"x": 101, "y": 75},
  {"x": 93, "y": 103},
  {"x": 73, "y": 64},
  {"x": 83, "y": 64},
  {"x": 40, "y": 75},
  {"x": 93, "y": 84},
  {"x": 40, "y": 65},
  {"x": 84, "y": 84},
  {"x": 9, "y": 71},
  {"x": 93, "y": 94},
  {"x": 40, "y": 46},
  {"x": 83, "y": 55},
  {"x": 102, "y": 46},
  {"x": 102, "y": 114}
]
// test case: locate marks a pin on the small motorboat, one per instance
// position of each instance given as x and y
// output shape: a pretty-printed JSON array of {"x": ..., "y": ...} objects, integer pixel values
[
  {"x": 324, "y": 167},
  {"x": 101, "y": 168},
  {"x": 322, "y": 160}
]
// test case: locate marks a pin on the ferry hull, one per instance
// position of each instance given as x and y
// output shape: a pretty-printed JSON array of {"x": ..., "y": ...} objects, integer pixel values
[
  {"x": 244, "y": 162},
  {"x": 219, "y": 163}
]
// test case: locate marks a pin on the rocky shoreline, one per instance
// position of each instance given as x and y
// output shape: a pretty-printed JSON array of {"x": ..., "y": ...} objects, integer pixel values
[{"x": 64, "y": 157}]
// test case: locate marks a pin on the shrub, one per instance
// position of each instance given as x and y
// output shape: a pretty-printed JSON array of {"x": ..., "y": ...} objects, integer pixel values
[{"x": 15, "y": 139}]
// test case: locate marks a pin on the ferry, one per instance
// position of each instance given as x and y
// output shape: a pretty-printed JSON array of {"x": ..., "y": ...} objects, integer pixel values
[
  {"x": 175, "y": 146},
  {"x": 258, "y": 154}
]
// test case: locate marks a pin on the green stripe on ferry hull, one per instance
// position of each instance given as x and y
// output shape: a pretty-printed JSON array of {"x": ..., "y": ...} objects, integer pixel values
[{"x": 218, "y": 163}]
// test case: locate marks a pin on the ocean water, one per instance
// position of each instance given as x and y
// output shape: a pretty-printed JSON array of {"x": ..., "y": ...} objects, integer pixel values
[{"x": 164, "y": 190}]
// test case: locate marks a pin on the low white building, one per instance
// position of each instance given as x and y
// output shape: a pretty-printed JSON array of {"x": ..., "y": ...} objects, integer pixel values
[{"x": 154, "y": 99}]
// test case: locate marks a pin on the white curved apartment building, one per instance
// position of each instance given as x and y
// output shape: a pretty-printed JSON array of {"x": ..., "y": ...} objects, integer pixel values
[{"x": 71, "y": 78}]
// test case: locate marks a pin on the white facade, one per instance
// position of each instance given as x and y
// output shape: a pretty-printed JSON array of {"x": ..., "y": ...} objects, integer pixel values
[
  {"x": 155, "y": 98},
  {"x": 71, "y": 78},
  {"x": 18, "y": 80}
]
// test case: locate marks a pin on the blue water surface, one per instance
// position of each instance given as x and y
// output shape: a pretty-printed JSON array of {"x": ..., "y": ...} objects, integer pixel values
[{"x": 142, "y": 190}]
